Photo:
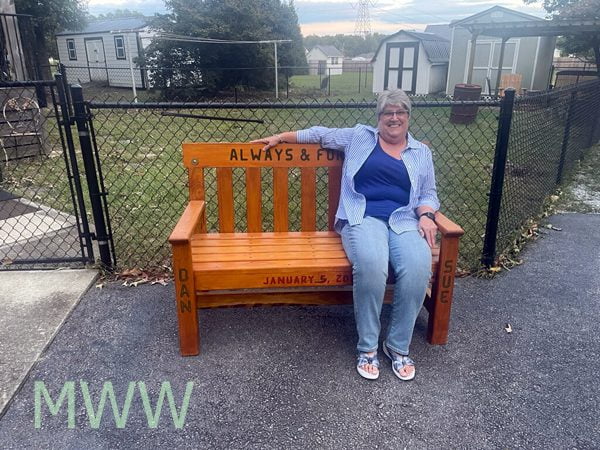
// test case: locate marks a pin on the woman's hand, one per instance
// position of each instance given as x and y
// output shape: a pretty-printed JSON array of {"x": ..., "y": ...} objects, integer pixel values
[
  {"x": 269, "y": 142},
  {"x": 428, "y": 230}
]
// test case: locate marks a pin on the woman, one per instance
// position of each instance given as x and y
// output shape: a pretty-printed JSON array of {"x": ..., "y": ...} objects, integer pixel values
[{"x": 385, "y": 216}]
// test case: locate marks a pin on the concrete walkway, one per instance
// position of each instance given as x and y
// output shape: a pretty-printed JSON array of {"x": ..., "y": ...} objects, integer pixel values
[
  {"x": 33, "y": 306},
  {"x": 284, "y": 377}
]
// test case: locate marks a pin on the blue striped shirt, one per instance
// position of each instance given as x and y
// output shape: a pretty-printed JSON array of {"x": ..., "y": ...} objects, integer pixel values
[{"x": 357, "y": 144}]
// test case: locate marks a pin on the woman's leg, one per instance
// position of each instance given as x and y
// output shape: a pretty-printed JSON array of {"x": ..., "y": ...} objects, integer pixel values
[
  {"x": 410, "y": 257},
  {"x": 366, "y": 246}
]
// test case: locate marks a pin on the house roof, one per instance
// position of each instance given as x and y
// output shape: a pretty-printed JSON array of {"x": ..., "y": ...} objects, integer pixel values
[
  {"x": 329, "y": 50},
  {"x": 436, "y": 47},
  {"x": 441, "y": 29},
  {"x": 108, "y": 25},
  {"x": 494, "y": 9}
]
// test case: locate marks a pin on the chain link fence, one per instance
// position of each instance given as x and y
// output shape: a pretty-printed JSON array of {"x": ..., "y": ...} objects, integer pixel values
[
  {"x": 140, "y": 150},
  {"x": 549, "y": 134},
  {"x": 40, "y": 221},
  {"x": 138, "y": 159},
  {"x": 174, "y": 84}
]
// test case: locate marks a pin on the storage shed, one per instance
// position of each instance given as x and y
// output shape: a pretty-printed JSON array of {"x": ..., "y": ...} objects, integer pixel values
[
  {"x": 416, "y": 62},
  {"x": 529, "y": 57},
  {"x": 104, "y": 50}
]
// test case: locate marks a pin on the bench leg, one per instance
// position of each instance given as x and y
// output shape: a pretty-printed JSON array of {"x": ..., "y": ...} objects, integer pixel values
[
  {"x": 185, "y": 295},
  {"x": 441, "y": 293}
]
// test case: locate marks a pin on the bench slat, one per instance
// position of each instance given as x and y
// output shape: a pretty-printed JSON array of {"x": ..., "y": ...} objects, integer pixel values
[
  {"x": 334, "y": 182},
  {"x": 308, "y": 200},
  {"x": 225, "y": 199},
  {"x": 253, "y": 199},
  {"x": 270, "y": 235},
  {"x": 196, "y": 183},
  {"x": 244, "y": 250},
  {"x": 265, "y": 255},
  {"x": 280, "y": 198}
]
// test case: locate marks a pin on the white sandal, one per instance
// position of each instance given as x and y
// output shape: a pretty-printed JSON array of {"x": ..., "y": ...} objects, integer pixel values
[
  {"x": 399, "y": 362},
  {"x": 364, "y": 359}
]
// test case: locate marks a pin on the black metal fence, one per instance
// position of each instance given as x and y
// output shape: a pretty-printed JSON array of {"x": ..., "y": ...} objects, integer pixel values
[
  {"x": 492, "y": 174},
  {"x": 42, "y": 211}
]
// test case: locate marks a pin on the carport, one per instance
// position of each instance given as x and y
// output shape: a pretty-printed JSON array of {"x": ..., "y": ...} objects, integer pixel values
[{"x": 507, "y": 30}]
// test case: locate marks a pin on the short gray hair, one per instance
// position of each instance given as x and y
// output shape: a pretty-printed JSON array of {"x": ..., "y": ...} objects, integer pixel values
[{"x": 393, "y": 97}]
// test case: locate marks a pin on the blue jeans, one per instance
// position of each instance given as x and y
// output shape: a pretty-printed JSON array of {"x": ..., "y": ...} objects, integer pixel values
[{"x": 371, "y": 246}]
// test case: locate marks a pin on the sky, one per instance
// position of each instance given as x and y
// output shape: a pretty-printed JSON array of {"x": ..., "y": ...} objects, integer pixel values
[{"x": 323, "y": 17}]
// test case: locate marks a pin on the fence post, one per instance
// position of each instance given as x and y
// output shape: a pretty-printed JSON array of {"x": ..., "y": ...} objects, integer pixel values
[
  {"x": 70, "y": 144},
  {"x": 495, "y": 200},
  {"x": 91, "y": 175},
  {"x": 592, "y": 139},
  {"x": 359, "y": 73},
  {"x": 329, "y": 82},
  {"x": 565, "y": 141}
]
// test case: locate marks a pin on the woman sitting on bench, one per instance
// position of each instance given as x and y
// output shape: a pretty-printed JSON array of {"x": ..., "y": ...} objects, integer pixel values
[{"x": 385, "y": 216}]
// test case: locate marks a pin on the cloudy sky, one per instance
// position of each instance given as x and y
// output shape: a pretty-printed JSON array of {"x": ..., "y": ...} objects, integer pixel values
[{"x": 339, "y": 16}]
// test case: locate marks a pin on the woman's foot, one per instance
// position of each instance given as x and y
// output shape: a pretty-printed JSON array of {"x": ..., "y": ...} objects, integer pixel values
[
  {"x": 367, "y": 365},
  {"x": 402, "y": 366}
]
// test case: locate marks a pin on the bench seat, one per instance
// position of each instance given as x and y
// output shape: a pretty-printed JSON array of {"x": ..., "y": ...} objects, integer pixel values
[{"x": 268, "y": 260}]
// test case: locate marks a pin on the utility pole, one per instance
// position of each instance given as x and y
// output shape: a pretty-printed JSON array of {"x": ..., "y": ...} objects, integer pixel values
[{"x": 363, "y": 19}]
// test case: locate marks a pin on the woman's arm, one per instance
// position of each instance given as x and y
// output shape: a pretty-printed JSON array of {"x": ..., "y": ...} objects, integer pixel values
[{"x": 291, "y": 137}]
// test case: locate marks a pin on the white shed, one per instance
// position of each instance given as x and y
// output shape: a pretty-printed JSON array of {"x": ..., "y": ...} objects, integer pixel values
[
  {"x": 105, "y": 50},
  {"x": 325, "y": 60},
  {"x": 413, "y": 61}
]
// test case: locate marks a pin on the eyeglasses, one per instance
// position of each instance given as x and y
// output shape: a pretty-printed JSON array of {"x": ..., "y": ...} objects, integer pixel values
[{"x": 390, "y": 114}]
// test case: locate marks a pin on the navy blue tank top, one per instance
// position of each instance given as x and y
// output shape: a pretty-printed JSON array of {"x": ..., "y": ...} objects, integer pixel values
[{"x": 384, "y": 182}]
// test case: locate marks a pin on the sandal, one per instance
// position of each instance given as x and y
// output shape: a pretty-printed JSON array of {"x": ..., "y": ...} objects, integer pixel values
[
  {"x": 399, "y": 362},
  {"x": 364, "y": 359}
]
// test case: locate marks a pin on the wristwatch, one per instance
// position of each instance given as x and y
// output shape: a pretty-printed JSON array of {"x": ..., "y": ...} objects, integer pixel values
[{"x": 429, "y": 215}]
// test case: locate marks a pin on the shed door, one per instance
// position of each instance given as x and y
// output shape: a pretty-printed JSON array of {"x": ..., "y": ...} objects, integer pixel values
[
  {"x": 94, "y": 49},
  {"x": 401, "y": 60},
  {"x": 487, "y": 58}
]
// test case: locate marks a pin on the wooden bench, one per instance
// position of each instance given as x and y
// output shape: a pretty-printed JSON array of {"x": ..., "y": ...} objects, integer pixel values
[{"x": 278, "y": 266}]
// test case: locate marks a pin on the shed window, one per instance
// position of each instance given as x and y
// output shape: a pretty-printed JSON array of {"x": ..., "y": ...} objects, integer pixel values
[
  {"x": 120, "y": 47},
  {"x": 71, "y": 49}
]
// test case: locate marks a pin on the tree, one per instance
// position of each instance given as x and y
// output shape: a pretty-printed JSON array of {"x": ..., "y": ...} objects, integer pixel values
[
  {"x": 50, "y": 17},
  {"x": 185, "y": 64},
  {"x": 117, "y": 13},
  {"x": 586, "y": 46}
]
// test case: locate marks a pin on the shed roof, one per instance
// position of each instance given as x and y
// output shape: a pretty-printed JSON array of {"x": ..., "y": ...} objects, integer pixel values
[
  {"x": 108, "y": 25},
  {"x": 441, "y": 29},
  {"x": 492, "y": 10},
  {"x": 436, "y": 47},
  {"x": 329, "y": 50}
]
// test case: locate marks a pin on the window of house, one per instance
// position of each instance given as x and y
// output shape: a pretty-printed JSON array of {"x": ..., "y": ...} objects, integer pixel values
[
  {"x": 71, "y": 49},
  {"x": 334, "y": 60},
  {"x": 120, "y": 47}
]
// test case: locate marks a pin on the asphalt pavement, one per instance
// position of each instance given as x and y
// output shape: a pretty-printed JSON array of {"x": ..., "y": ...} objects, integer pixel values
[{"x": 284, "y": 377}]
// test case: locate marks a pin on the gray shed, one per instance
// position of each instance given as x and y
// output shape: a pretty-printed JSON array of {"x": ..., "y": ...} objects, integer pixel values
[{"x": 529, "y": 58}]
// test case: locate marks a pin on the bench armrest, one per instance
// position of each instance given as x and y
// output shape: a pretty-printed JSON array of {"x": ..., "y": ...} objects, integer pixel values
[
  {"x": 191, "y": 221},
  {"x": 447, "y": 227}
]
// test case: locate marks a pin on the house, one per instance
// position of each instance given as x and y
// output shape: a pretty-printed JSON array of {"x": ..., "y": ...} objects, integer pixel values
[
  {"x": 106, "y": 51},
  {"x": 324, "y": 60},
  {"x": 414, "y": 61},
  {"x": 530, "y": 58}
]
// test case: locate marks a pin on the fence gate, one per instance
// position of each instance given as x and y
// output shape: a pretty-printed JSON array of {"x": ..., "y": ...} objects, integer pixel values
[{"x": 43, "y": 220}]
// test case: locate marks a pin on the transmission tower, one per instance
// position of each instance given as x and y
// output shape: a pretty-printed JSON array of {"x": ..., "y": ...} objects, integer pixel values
[{"x": 363, "y": 19}]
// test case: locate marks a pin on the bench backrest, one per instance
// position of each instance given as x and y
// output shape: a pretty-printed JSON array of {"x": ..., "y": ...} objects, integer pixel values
[{"x": 222, "y": 158}]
